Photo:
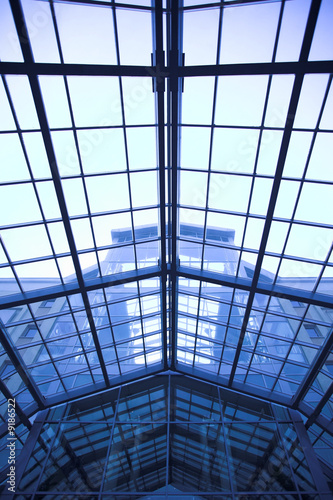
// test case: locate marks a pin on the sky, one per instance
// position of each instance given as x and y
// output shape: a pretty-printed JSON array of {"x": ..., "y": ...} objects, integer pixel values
[
  {"x": 220, "y": 147},
  {"x": 87, "y": 36}
]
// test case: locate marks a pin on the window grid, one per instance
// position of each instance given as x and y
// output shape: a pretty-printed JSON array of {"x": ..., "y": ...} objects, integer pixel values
[{"x": 101, "y": 261}]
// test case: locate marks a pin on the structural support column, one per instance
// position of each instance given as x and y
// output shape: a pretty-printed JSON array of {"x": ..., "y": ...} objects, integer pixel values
[
  {"x": 159, "y": 89},
  {"x": 315, "y": 469},
  {"x": 175, "y": 59}
]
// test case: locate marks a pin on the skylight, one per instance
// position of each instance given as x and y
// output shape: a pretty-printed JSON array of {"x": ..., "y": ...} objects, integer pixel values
[{"x": 166, "y": 198}]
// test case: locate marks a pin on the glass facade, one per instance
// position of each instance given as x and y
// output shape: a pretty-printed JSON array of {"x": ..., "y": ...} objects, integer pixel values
[
  {"x": 166, "y": 217},
  {"x": 169, "y": 436}
]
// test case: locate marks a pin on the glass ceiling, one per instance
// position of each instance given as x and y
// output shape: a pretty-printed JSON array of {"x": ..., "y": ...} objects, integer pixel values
[{"x": 166, "y": 198}]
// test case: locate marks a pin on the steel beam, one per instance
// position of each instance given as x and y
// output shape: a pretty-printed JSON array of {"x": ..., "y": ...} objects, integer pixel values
[
  {"x": 310, "y": 456},
  {"x": 317, "y": 411},
  {"x": 21, "y": 368},
  {"x": 247, "y": 69},
  {"x": 238, "y": 387},
  {"x": 93, "y": 389},
  {"x": 277, "y": 68},
  {"x": 35, "y": 69},
  {"x": 29, "y": 445},
  {"x": 18, "y": 410},
  {"x": 175, "y": 60},
  {"x": 46, "y": 134},
  {"x": 295, "y": 95},
  {"x": 276, "y": 290},
  {"x": 308, "y": 380},
  {"x": 159, "y": 89},
  {"x": 101, "y": 282}
]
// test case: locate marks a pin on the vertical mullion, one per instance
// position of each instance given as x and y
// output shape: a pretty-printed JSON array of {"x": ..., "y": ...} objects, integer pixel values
[
  {"x": 46, "y": 134},
  {"x": 318, "y": 409},
  {"x": 212, "y": 134},
  {"x": 255, "y": 168},
  {"x": 109, "y": 445},
  {"x": 295, "y": 95},
  {"x": 175, "y": 88},
  {"x": 141, "y": 323},
  {"x": 16, "y": 359},
  {"x": 112, "y": 334},
  {"x": 310, "y": 456},
  {"x": 168, "y": 444},
  {"x": 225, "y": 438},
  {"x": 124, "y": 132},
  {"x": 18, "y": 410},
  {"x": 208, "y": 176},
  {"x": 57, "y": 429},
  {"x": 159, "y": 87},
  {"x": 32, "y": 179},
  {"x": 29, "y": 445},
  {"x": 74, "y": 129},
  {"x": 302, "y": 181}
]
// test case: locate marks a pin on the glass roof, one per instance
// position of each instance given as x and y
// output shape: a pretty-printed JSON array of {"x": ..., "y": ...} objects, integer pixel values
[
  {"x": 206, "y": 444},
  {"x": 166, "y": 198}
]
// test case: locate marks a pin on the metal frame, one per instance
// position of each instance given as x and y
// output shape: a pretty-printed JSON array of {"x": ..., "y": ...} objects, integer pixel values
[
  {"x": 195, "y": 399},
  {"x": 168, "y": 73}
]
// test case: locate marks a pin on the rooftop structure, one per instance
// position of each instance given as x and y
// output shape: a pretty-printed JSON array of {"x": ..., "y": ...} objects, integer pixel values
[{"x": 166, "y": 225}]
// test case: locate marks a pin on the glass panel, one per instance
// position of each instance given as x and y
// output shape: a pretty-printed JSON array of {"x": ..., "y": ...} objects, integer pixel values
[
  {"x": 289, "y": 47},
  {"x": 22, "y": 99},
  {"x": 77, "y": 443},
  {"x": 240, "y": 100},
  {"x": 298, "y": 462},
  {"x": 229, "y": 192},
  {"x": 55, "y": 101},
  {"x": 234, "y": 150},
  {"x": 258, "y": 458},
  {"x": 39, "y": 22},
  {"x": 143, "y": 189},
  {"x": 195, "y": 147},
  {"x": 12, "y": 158},
  {"x": 9, "y": 42},
  {"x": 326, "y": 120},
  {"x": 135, "y": 36},
  {"x": 323, "y": 143},
  {"x": 141, "y": 147},
  {"x": 86, "y": 34},
  {"x": 255, "y": 23},
  {"x": 199, "y": 457},
  {"x": 95, "y": 101},
  {"x": 200, "y": 36},
  {"x": 313, "y": 90},
  {"x": 137, "y": 459},
  {"x": 138, "y": 101},
  {"x": 200, "y": 91},
  {"x": 36, "y": 152},
  {"x": 106, "y": 193},
  {"x": 150, "y": 404},
  {"x": 321, "y": 48},
  {"x": 34, "y": 466}
]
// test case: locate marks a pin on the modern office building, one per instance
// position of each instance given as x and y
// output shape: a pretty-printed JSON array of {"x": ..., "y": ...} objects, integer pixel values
[{"x": 166, "y": 257}]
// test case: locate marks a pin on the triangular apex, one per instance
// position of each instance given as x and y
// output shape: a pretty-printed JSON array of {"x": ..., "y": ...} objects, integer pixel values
[{"x": 168, "y": 435}]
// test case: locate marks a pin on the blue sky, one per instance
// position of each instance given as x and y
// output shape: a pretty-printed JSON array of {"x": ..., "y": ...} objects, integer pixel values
[{"x": 248, "y": 36}]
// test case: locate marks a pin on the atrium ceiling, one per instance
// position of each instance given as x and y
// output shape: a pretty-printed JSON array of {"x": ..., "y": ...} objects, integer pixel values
[{"x": 167, "y": 167}]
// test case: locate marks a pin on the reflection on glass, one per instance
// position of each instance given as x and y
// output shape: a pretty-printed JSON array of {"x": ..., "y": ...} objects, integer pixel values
[
  {"x": 259, "y": 461},
  {"x": 298, "y": 462},
  {"x": 137, "y": 458},
  {"x": 77, "y": 458},
  {"x": 214, "y": 441}
]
